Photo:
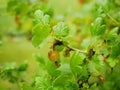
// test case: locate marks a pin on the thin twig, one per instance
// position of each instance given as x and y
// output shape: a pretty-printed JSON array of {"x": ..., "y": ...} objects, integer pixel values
[
  {"x": 75, "y": 49},
  {"x": 72, "y": 48}
]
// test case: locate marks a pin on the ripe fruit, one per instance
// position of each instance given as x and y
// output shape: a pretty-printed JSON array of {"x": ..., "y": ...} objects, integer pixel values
[{"x": 54, "y": 55}]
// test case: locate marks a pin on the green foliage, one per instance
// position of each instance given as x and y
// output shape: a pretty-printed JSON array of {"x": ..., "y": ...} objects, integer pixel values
[
  {"x": 112, "y": 34},
  {"x": 42, "y": 28},
  {"x": 116, "y": 50},
  {"x": 96, "y": 67},
  {"x": 98, "y": 27},
  {"x": 41, "y": 18},
  {"x": 10, "y": 71},
  {"x": 42, "y": 83},
  {"x": 61, "y": 30},
  {"x": 40, "y": 33}
]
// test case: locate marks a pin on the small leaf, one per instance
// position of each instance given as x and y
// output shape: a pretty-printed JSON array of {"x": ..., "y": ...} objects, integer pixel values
[
  {"x": 112, "y": 34},
  {"x": 59, "y": 48},
  {"x": 40, "y": 18},
  {"x": 23, "y": 66},
  {"x": 39, "y": 14},
  {"x": 41, "y": 60},
  {"x": 75, "y": 63},
  {"x": 93, "y": 87},
  {"x": 42, "y": 83},
  {"x": 97, "y": 28},
  {"x": 61, "y": 30},
  {"x": 112, "y": 62},
  {"x": 61, "y": 80},
  {"x": 51, "y": 69}
]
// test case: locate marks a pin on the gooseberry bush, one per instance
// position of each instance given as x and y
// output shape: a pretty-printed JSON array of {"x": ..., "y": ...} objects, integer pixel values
[{"x": 92, "y": 64}]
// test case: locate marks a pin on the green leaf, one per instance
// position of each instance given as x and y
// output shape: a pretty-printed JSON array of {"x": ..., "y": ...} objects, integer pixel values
[
  {"x": 61, "y": 80},
  {"x": 94, "y": 87},
  {"x": 112, "y": 62},
  {"x": 51, "y": 69},
  {"x": 39, "y": 14},
  {"x": 40, "y": 59},
  {"x": 59, "y": 48},
  {"x": 41, "y": 18},
  {"x": 42, "y": 83},
  {"x": 40, "y": 33},
  {"x": 97, "y": 28},
  {"x": 61, "y": 30},
  {"x": 26, "y": 87},
  {"x": 92, "y": 69},
  {"x": 112, "y": 34},
  {"x": 23, "y": 66},
  {"x": 116, "y": 50},
  {"x": 75, "y": 63}
]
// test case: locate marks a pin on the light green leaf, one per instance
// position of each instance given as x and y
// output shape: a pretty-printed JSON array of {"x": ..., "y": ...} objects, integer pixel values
[
  {"x": 112, "y": 34},
  {"x": 112, "y": 62},
  {"x": 42, "y": 83},
  {"x": 39, "y": 14},
  {"x": 61, "y": 30},
  {"x": 97, "y": 28},
  {"x": 41, "y": 60},
  {"x": 51, "y": 69},
  {"x": 75, "y": 63},
  {"x": 41, "y": 18},
  {"x": 40, "y": 33},
  {"x": 59, "y": 48}
]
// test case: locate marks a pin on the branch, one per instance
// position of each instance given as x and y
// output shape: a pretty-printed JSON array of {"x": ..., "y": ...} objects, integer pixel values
[
  {"x": 59, "y": 42},
  {"x": 75, "y": 49}
]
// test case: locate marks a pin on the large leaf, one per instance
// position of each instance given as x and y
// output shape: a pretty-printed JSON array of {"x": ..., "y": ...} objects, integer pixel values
[{"x": 40, "y": 33}]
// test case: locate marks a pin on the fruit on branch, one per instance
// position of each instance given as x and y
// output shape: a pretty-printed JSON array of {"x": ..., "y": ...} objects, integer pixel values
[{"x": 54, "y": 55}]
